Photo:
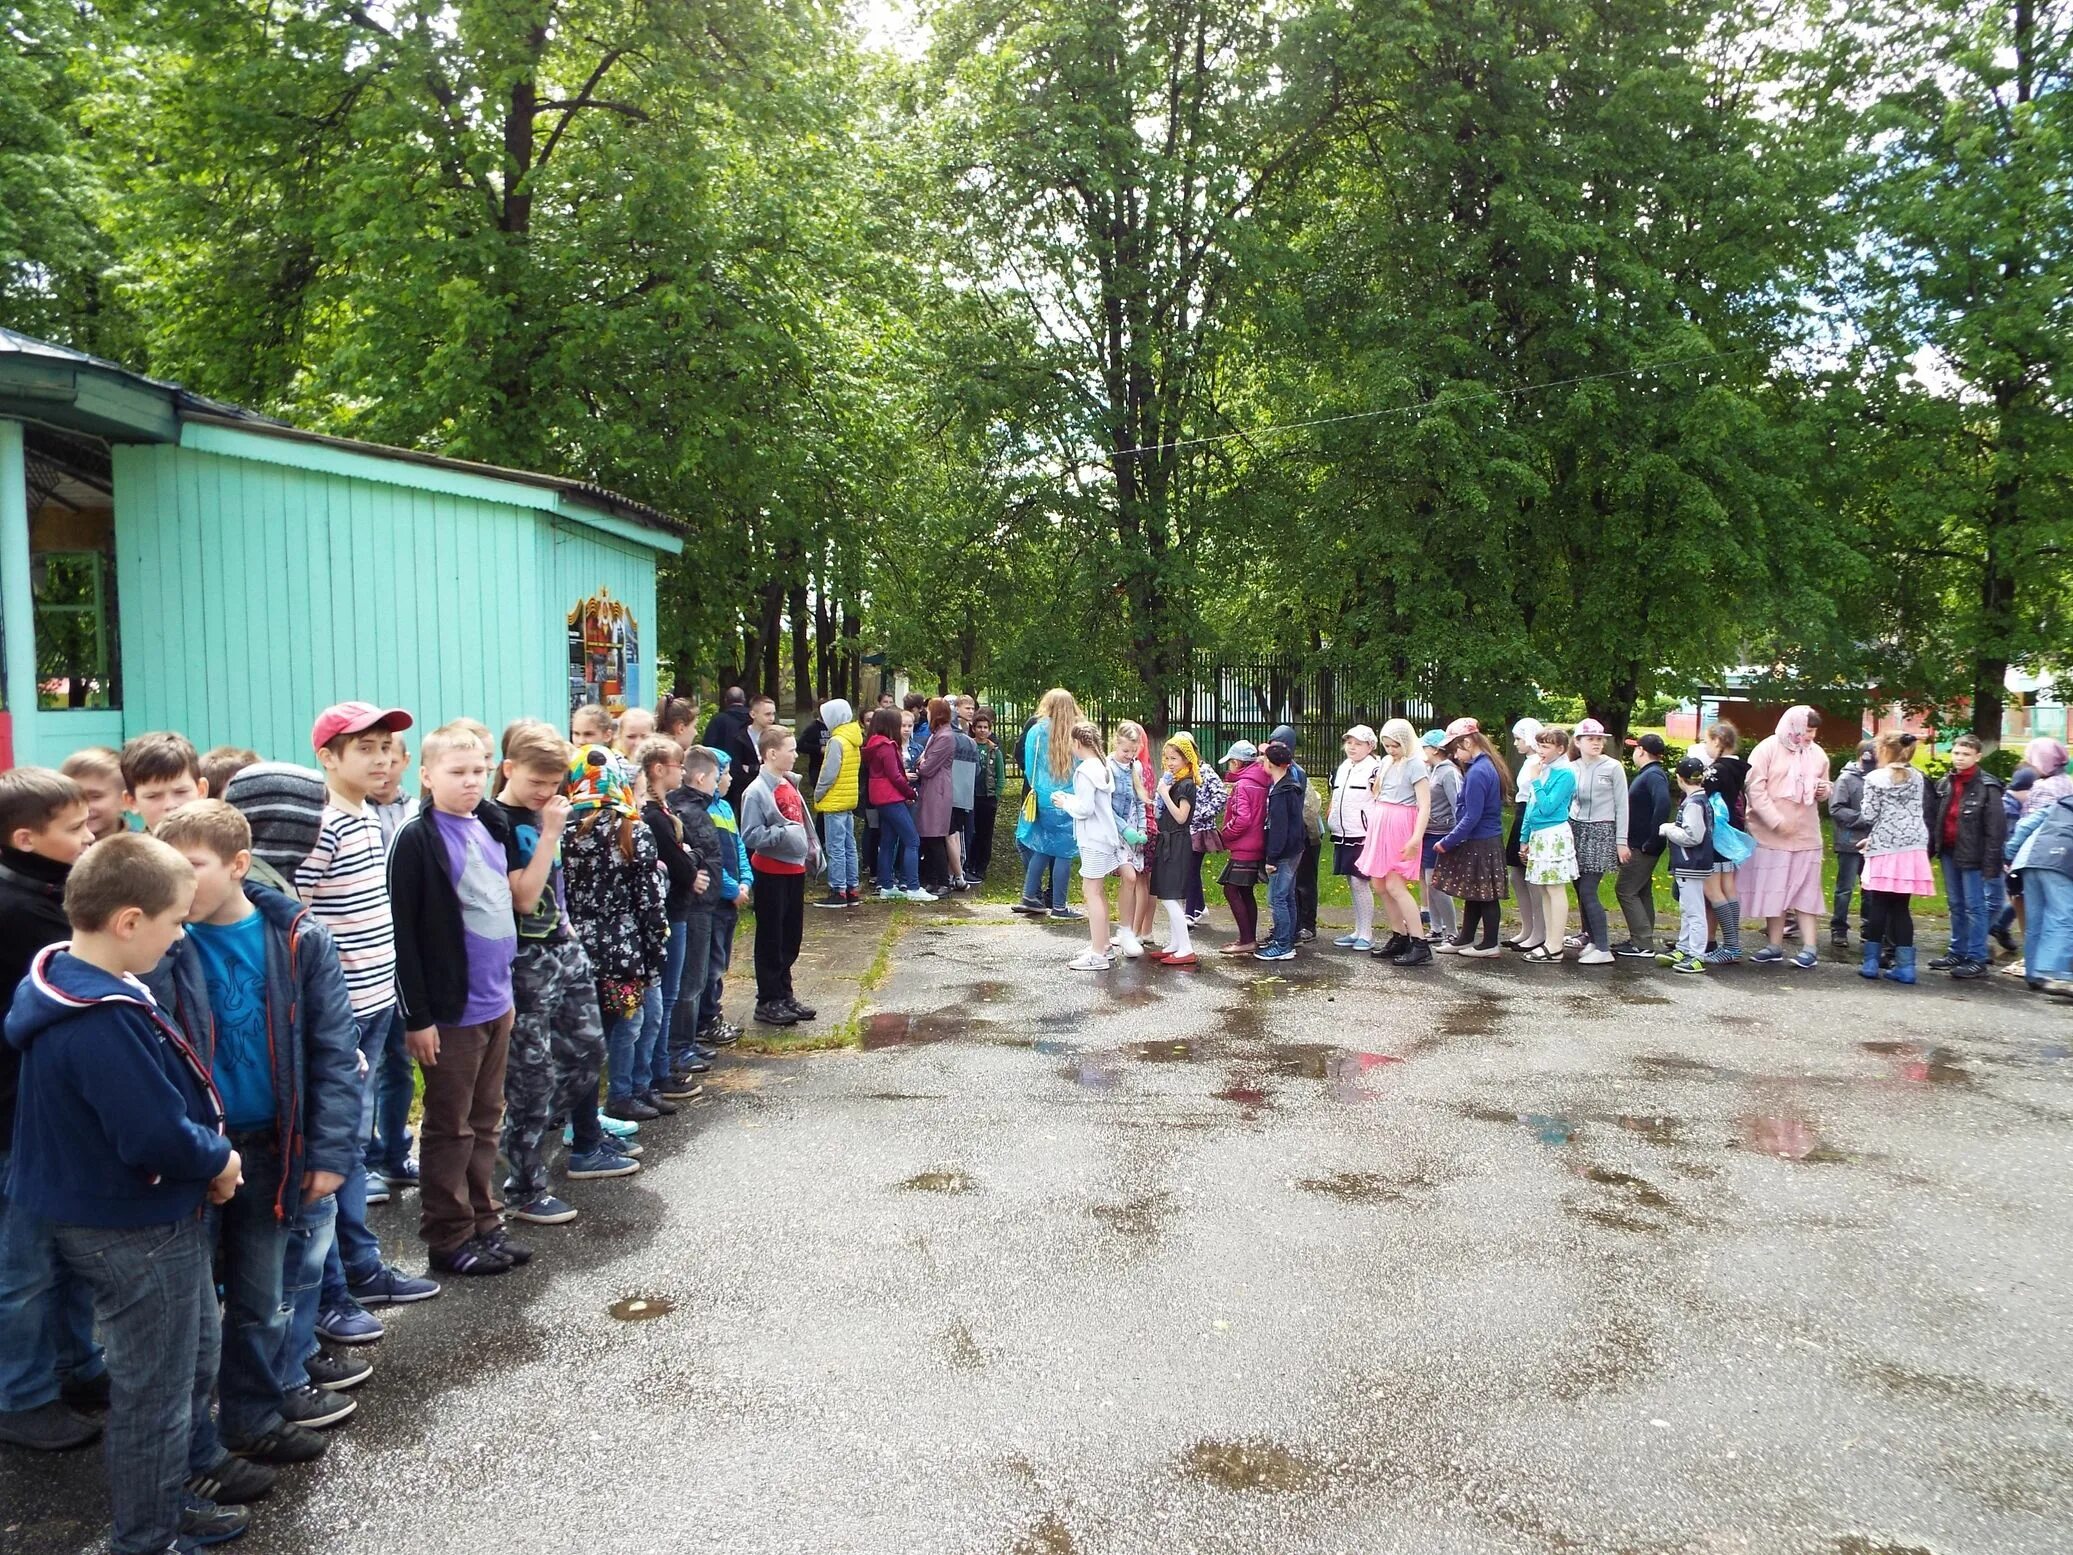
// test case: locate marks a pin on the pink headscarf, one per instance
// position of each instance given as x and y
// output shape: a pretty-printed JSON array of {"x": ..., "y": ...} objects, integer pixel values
[
  {"x": 2045, "y": 756},
  {"x": 1811, "y": 766}
]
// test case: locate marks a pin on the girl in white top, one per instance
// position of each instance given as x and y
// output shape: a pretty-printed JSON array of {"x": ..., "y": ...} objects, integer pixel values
[
  {"x": 1525, "y": 740},
  {"x": 1128, "y": 802},
  {"x": 1396, "y": 836},
  {"x": 1353, "y": 799},
  {"x": 1090, "y": 804},
  {"x": 1598, "y": 817}
]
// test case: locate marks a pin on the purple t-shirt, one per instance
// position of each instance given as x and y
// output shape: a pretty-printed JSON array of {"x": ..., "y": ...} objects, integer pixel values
[{"x": 488, "y": 930}]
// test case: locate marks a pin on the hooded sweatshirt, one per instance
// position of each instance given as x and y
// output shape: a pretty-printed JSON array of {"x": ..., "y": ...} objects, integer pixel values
[
  {"x": 118, "y": 1124},
  {"x": 1245, "y": 814},
  {"x": 837, "y": 789},
  {"x": 885, "y": 780},
  {"x": 1785, "y": 772}
]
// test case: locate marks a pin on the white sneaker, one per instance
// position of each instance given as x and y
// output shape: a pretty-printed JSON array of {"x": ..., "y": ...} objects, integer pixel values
[
  {"x": 1089, "y": 961},
  {"x": 1595, "y": 957},
  {"x": 1129, "y": 943},
  {"x": 919, "y": 895}
]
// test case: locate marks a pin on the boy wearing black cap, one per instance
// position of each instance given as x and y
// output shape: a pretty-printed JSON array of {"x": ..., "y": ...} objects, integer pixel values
[
  {"x": 1648, "y": 806},
  {"x": 1690, "y": 837}
]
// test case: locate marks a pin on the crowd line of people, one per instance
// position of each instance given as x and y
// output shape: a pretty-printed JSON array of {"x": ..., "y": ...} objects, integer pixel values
[
  {"x": 1417, "y": 824},
  {"x": 228, "y": 979}
]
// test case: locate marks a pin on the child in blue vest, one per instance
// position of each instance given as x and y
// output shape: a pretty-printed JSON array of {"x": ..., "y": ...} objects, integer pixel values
[{"x": 1690, "y": 834}]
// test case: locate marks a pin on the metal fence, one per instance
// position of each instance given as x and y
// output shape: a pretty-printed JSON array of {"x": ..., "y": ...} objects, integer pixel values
[{"x": 1229, "y": 700}]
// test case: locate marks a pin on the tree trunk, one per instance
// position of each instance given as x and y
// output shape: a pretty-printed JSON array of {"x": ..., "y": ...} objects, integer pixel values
[
  {"x": 802, "y": 654},
  {"x": 824, "y": 645},
  {"x": 770, "y": 631}
]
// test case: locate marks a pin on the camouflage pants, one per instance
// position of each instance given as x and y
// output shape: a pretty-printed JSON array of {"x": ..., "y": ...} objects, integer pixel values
[{"x": 557, "y": 1051}]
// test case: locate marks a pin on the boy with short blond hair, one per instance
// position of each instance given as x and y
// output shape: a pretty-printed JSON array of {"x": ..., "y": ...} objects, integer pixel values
[
  {"x": 221, "y": 763},
  {"x": 256, "y": 985},
  {"x": 118, "y": 1144},
  {"x": 782, "y": 853},
  {"x": 456, "y": 940},
  {"x": 98, "y": 772},
  {"x": 44, "y": 828},
  {"x": 557, "y": 1031},
  {"x": 160, "y": 773}
]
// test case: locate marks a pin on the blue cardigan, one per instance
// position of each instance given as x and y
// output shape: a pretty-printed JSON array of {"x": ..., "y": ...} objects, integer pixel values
[
  {"x": 1552, "y": 793},
  {"x": 1479, "y": 812}
]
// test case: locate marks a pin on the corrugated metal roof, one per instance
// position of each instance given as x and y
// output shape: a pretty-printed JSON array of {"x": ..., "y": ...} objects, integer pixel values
[{"x": 199, "y": 407}]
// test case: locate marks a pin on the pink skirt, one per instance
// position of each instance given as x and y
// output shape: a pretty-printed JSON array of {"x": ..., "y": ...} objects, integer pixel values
[
  {"x": 1907, "y": 873},
  {"x": 1775, "y": 882},
  {"x": 1390, "y": 826}
]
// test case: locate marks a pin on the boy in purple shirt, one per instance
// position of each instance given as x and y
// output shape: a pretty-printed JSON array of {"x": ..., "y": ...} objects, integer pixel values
[{"x": 455, "y": 941}]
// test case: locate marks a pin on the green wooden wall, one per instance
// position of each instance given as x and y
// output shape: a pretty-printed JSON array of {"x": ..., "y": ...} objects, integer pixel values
[{"x": 255, "y": 591}]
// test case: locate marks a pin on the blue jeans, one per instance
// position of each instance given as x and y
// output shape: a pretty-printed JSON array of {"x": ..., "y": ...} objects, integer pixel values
[
  {"x": 719, "y": 957},
  {"x": 1999, "y": 914},
  {"x": 682, "y": 1028},
  {"x": 1281, "y": 899},
  {"x": 842, "y": 850},
  {"x": 671, "y": 987},
  {"x": 46, "y": 1312},
  {"x": 647, "y": 1052},
  {"x": 1033, "y": 867},
  {"x": 310, "y": 1235},
  {"x": 355, "y": 1253},
  {"x": 393, "y": 1093},
  {"x": 255, "y": 1318},
  {"x": 156, "y": 1306},
  {"x": 1967, "y": 891},
  {"x": 1848, "y": 867},
  {"x": 622, "y": 1047},
  {"x": 898, "y": 844},
  {"x": 2047, "y": 925}
]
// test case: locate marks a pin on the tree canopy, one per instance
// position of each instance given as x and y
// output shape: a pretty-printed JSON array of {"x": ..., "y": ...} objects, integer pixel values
[{"x": 1470, "y": 350}]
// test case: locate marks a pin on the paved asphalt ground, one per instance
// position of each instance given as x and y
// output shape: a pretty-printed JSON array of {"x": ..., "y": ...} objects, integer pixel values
[{"x": 1477, "y": 1258}]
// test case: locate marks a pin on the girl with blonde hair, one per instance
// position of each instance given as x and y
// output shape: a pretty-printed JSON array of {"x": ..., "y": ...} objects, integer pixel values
[
  {"x": 1396, "y": 836},
  {"x": 1128, "y": 800},
  {"x": 1090, "y": 804},
  {"x": 1045, "y": 831}
]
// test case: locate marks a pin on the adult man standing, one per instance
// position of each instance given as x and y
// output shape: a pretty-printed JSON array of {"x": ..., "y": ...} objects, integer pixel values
[{"x": 733, "y": 730}]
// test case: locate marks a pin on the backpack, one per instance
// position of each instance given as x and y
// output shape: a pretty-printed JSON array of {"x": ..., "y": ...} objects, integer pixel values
[
  {"x": 1730, "y": 842},
  {"x": 1205, "y": 829}
]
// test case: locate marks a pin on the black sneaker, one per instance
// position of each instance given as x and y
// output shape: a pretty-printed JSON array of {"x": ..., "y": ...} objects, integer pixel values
[
  {"x": 1391, "y": 948},
  {"x": 515, "y": 1253},
  {"x": 1965, "y": 971},
  {"x": 50, "y": 1427},
  {"x": 775, "y": 1015},
  {"x": 285, "y": 1443},
  {"x": 1944, "y": 962},
  {"x": 803, "y": 1011},
  {"x": 833, "y": 899},
  {"x": 684, "y": 1086},
  {"x": 1888, "y": 957},
  {"x": 335, "y": 1373},
  {"x": 663, "y": 1106},
  {"x": 2006, "y": 941},
  {"x": 1030, "y": 907},
  {"x": 1635, "y": 950},
  {"x": 630, "y": 1109},
  {"x": 1305, "y": 936},
  {"x": 1417, "y": 953},
  {"x": 205, "y": 1522},
  {"x": 726, "y": 1034},
  {"x": 1067, "y": 915},
  {"x": 314, "y": 1409},
  {"x": 471, "y": 1257},
  {"x": 1839, "y": 938},
  {"x": 234, "y": 1480}
]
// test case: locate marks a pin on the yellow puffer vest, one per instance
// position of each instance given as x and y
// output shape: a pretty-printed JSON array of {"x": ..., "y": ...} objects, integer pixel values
[{"x": 841, "y": 796}]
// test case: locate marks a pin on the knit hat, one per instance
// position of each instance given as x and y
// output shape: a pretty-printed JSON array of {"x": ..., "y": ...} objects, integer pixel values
[{"x": 284, "y": 805}]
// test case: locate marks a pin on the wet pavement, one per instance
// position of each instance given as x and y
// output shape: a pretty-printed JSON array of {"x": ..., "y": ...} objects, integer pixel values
[{"x": 1310, "y": 1257}]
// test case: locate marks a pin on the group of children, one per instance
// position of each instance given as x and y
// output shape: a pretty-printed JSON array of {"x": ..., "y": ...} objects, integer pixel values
[
  {"x": 219, "y": 974},
  {"x": 1743, "y": 840}
]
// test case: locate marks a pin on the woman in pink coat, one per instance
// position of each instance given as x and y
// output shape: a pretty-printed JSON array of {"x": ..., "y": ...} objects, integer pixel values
[{"x": 1787, "y": 782}]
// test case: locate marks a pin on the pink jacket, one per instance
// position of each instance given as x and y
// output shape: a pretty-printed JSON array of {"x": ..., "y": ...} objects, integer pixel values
[
  {"x": 1783, "y": 786},
  {"x": 1245, "y": 816}
]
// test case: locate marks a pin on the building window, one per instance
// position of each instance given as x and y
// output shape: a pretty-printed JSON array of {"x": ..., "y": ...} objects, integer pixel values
[{"x": 72, "y": 570}]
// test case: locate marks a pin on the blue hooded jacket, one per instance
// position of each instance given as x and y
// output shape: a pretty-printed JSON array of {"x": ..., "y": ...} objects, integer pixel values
[
  {"x": 312, "y": 1040},
  {"x": 118, "y": 1124},
  {"x": 1051, "y": 832}
]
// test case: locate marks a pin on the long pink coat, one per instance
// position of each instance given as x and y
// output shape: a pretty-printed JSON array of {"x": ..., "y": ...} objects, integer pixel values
[
  {"x": 932, "y": 778},
  {"x": 1784, "y": 812}
]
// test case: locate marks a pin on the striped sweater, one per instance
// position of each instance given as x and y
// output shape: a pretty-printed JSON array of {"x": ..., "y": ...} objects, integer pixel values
[{"x": 345, "y": 881}]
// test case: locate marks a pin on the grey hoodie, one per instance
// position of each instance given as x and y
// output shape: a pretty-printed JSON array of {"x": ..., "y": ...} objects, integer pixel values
[
  {"x": 764, "y": 828},
  {"x": 834, "y": 714}
]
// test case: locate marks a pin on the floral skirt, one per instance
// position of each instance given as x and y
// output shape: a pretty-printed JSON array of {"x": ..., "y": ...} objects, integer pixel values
[
  {"x": 1472, "y": 871},
  {"x": 1551, "y": 856}
]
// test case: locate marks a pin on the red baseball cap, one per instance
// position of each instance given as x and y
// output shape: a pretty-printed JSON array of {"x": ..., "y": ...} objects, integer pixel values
[{"x": 355, "y": 718}]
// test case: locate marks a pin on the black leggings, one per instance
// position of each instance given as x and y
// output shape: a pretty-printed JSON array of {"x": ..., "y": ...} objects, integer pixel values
[
  {"x": 1479, "y": 924},
  {"x": 1197, "y": 902},
  {"x": 1888, "y": 918},
  {"x": 1245, "y": 910}
]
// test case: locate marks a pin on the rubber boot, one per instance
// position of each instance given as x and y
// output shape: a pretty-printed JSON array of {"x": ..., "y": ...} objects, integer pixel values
[
  {"x": 1870, "y": 969},
  {"x": 1903, "y": 969}
]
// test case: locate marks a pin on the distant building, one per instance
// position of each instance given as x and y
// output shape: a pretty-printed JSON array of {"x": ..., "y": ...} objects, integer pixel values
[{"x": 168, "y": 562}]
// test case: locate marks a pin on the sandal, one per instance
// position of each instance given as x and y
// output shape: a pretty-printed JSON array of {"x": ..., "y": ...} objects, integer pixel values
[{"x": 1540, "y": 955}]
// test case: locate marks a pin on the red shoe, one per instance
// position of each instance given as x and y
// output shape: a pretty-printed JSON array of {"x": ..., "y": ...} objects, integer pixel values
[{"x": 1183, "y": 962}]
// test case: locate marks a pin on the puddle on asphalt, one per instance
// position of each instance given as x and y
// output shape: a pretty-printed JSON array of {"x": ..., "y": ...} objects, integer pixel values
[
  {"x": 1138, "y": 1218},
  {"x": 1931, "y": 1066},
  {"x": 1324, "y": 1061},
  {"x": 1470, "y": 1020},
  {"x": 1366, "y": 1187},
  {"x": 1639, "y": 1189},
  {"x": 900, "y": 1028},
  {"x": 1048, "y": 1537},
  {"x": 1789, "y": 1139},
  {"x": 1858, "y": 1544},
  {"x": 1093, "y": 1072},
  {"x": 906, "y": 1096},
  {"x": 961, "y": 1349},
  {"x": 941, "y": 1182},
  {"x": 1053, "y": 1047},
  {"x": 1251, "y": 1465},
  {"x": 1248, "y": 1098},
  {"x": 641, "y": 1309},
  {"x": 1657, "y": 1131},
  {"x": 1182, "y": 1051},
  {"x": 1675, "y": 1066},
  {"x": 987, "y": 989},
  {"x": 1548, "y": 1129}
]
